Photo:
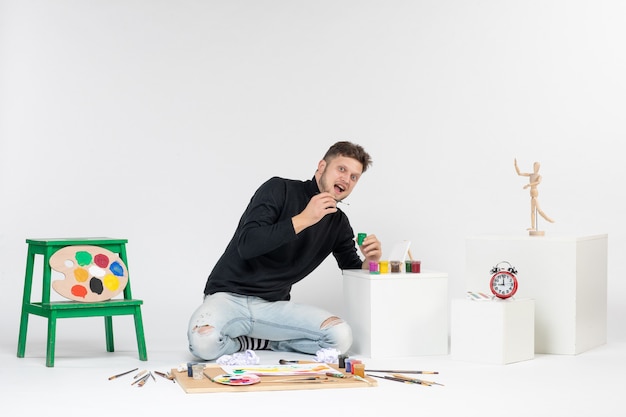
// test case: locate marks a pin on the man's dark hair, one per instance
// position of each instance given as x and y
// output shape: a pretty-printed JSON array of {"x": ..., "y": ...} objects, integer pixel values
[{"x": 349, "y": 150}]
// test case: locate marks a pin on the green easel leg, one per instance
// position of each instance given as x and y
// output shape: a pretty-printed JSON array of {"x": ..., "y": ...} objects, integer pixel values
[
  {"x": 108, "y": 328},
  {"x": 21, "y": 343},
  {"x": 52, "y": 334},
  {"x": 141, "y": 341}
]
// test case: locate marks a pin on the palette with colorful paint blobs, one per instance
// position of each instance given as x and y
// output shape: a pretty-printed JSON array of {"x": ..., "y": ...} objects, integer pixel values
[
  {"x": 237, "y": 380},
  {"x": 91, "y": 273}
]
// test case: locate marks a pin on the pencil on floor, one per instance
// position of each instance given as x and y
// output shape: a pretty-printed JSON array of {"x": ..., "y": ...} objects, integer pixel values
[
  {"x": 122, "y": 374},
  {"x": 141, "y": 380},
  {"x": 417, "y": 381},
  {"x": 163, "y": 375},
  {"x": 390, "y": 378}
]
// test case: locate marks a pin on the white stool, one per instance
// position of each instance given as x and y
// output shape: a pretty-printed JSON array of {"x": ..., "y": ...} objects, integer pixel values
[
  {"x": 397, "y": 314},
  {"x": 493, "y": 331}
]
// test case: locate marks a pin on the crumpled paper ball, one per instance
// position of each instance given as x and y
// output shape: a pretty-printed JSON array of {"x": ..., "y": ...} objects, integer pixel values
[
  {"x": 327, "y": 355},
  {"x": 240, "y": 358}
]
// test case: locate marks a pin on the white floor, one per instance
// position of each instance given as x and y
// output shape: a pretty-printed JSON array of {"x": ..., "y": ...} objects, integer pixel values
[{"x": 589, "y": 384}]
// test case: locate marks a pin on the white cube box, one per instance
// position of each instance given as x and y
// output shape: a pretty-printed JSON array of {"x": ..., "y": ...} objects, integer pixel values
[
  {"x": 492, "y": 331},
  {"x": 565, "y": 276},
  {"x": 397, "y": 315}
]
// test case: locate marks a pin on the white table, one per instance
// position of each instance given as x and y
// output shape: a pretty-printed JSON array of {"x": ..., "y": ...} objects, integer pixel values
[{"x": 397, "y": 314}]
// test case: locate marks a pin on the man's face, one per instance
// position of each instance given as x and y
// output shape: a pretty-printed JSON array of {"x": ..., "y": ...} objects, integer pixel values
[{"x": 338, "y": 176}]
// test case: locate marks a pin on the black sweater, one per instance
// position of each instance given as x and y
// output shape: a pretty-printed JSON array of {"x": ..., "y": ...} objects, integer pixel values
[{"x": 265, "y": 256}]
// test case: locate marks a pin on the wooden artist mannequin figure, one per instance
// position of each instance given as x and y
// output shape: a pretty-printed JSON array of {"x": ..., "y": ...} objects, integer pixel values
[{"x": 534, "y": 179}]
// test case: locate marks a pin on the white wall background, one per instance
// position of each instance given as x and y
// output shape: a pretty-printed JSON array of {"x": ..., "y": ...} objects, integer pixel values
[{"x": 156, "y": 121}]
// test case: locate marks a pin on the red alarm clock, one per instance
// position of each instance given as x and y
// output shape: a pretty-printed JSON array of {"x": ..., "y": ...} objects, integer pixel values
[{"x": 503, "y": 282}]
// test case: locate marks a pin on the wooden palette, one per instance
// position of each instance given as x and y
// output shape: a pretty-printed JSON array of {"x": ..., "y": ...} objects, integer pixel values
[
  {"x": 268, "y": 383},
  {"x": 91, "y": 273}
]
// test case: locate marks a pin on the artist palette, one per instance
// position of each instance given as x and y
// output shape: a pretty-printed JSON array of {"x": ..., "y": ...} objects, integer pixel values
[
  {"x": 91, "y": 273},
  {"x": 237, "y": 380}
]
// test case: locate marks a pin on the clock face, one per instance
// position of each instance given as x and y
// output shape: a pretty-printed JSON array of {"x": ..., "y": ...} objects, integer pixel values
[{"x": 503, "y": 284}]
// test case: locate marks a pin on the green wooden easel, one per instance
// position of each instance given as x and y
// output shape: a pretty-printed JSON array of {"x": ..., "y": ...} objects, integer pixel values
[{"x": 53, "y": 310}]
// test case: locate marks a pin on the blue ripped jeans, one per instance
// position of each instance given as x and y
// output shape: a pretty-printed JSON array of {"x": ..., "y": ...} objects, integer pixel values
[{"x": 291, "y": 327}]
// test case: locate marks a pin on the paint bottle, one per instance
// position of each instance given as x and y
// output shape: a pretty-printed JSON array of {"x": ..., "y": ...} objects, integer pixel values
[
  {"x": 197, "y": 370},
  {"x": 190, "y": 369},
  {"x": 353, "y": 364},
  {"x": 396, "y": 266},
  {"x": 348, "y": 363},
  {"x": 342, "y": 361},
  {"x": 360, "y": 238},
  {"x": 384, "y": 267},
  {"x": 416, "y": 266},
  {"x": 358, "y": 369},
  {"x": 407, "y": 267},
  {"x": 374, "y": 267}
]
